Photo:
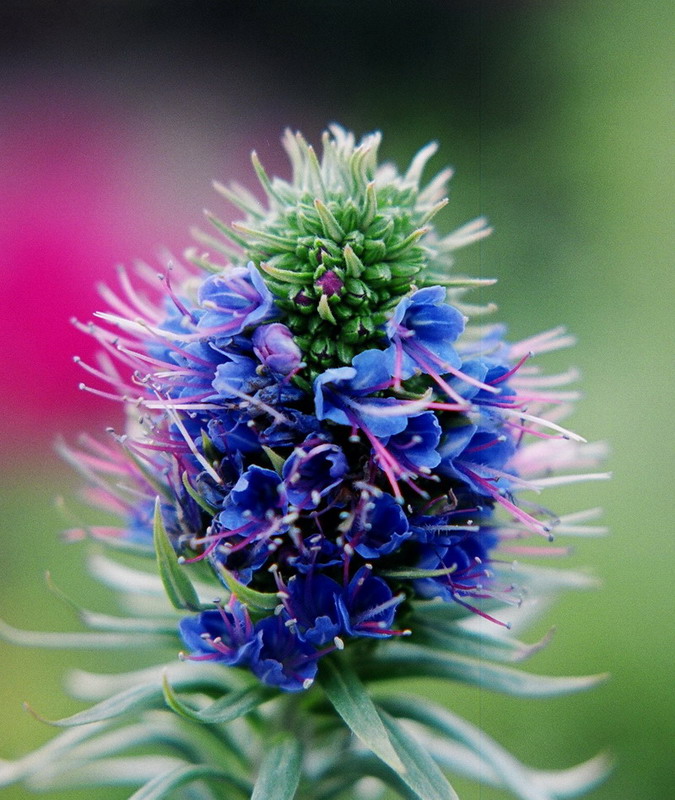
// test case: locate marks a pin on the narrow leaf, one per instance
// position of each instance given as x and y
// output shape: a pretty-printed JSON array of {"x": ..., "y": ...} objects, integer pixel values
[
  {"x": 422, "y": 774},
  {"x": 230, "y": 706},
  {"x": 406, "y": 661},
  {"x": 124, "y": 771},
  {"x": 135, "y": 699},
  {"x": 194, "y": 494},
  {"x": 58, "y": 749},
  {"x": 350, "y": 699},
  {"x": 279, "y": 772},
  {"x": 266, "y": 601},
  {"x": 481, "y": 643},
  {"x": 178, "y": 587},
  {"x": 163, "y": 785},
  {"x": 276, "y": 460},
  {"x": 86, "y": 640},
  {"x": 512, "y": 774},
  {"x": 468, "y": 751}
]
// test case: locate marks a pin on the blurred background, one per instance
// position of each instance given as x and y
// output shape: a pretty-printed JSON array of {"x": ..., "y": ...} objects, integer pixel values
[{"x": 114, "y": 117}]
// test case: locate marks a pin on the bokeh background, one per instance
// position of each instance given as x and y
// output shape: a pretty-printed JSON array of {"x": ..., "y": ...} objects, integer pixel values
[{"x": 114, "y": 117}]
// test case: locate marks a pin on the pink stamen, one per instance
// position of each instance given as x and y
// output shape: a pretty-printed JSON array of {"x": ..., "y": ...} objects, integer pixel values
[
  {"x": 529, "y": 521},
  {"x": 141, "y": 305},
  {"x": 512, "y": 371}
]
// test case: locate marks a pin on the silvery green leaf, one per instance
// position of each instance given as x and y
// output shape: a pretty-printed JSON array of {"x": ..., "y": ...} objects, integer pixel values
[
  {"x": 93, "y": 686},
  {"x": 128, "y": 771},
  {"x": 565, "y": 783},
  {"x": 195, "y": 742},
  {"x": 178, "y": 586},
  {"x": 162, "y": 785},
  {"x": 106, "y": 622},
  {"x": 544, "y": 580},
  {"x": 448, "y": 612},
  {"x": 480, "y": 757},
  {"x": 55, "y": 750},
  {"x": 129, "y": 581},
  {"x": 352, "y": 702},
  {"x": 228, "y": 707},
  {"x": 134, "y": 699},
  {"x": 280, "y": 770},
  {"x": 511, "y": 773},
  {"x": 124, "y": 579},
  {"x": 265, "y": 601},
  {"x": 421, "y": 774},
  {"x": 87, "y": 640},
  {"x": 486, "y": 641},
  {"x": 413, "y": 661}
]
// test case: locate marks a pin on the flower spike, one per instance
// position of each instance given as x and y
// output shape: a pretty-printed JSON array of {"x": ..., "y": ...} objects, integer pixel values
[{"x": 320, "y": 436}]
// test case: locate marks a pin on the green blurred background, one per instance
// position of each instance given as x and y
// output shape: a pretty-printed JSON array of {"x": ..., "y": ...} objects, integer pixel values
[{"x": 556, "y": 116}]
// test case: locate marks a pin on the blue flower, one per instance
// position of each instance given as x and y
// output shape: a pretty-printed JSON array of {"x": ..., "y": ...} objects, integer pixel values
[
  {"x": 256, "y": 499},
  {"x": 315, "y": 420},
  {"x": 276, "y": 349},
  {"x": 232, "y": 301},
  {"x": 467, "y": 560},
  {"x": 367, "y": 606},
  {"x": 235, "y": 378},
  {"x": 310, "y": 601},
  {"x": 422, "y": 332},
  {"x": 415, "y": 447},
  {"x": 379, "y": 528},
  {"x": 283, "y": 660},
  {"x": 478, "y": 458},
  {"x": 342, "y": 395},
  {"x": 226, "y": 635},
  {"x": 312, "y": 471}
]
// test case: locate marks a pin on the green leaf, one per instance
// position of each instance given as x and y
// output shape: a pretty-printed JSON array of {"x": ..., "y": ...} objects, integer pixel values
[
  {"x": 230, "y": 706},
  {"x": 412, "y": 573},
  {"x": 122, "y": 771},
  {"x": 263, "y": 600},
  {"x": 177, "y": 585},
  {"x": 276, "y": 460},
  {"x": 163, "y": 785},
  {"x": 279, "y": 772},
  {"x": 96, "y": 686},
  {"x": 484, "y": 643},
  {"x": 351, "y": 701},
  {"x": 414, "y": 661},
  {"x": 135, "y": 699},
  {"x": 106, "y": 622},
  {"x": 421, "y": 774},
  {"x": 481, "y": 758},
  {"x": 511, "y": 773},
  {"x": 86, "y": 640},
  {"x": 57, "y": 750},
  {"x": 194, "y": 494}
]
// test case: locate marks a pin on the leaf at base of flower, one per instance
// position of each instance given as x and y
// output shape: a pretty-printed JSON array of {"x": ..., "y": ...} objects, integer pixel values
[
  {"x": 86, "y": 640},
  {"x": 422, "y": 775},
  {"x": 227, "y": 708},
  {"x": 179, "y": 589},
  {"x": 487, "y": 642},
  {"x": 280, "y": 770},
  {"x": 511, "y": 774},
  {"x": 415, "y": 661},
  {"x": 162, "y": 785},
  {"x": 491, "y": 761},
  {"x": 265, "y": 601},
  {"x": 353, "y": 703}
]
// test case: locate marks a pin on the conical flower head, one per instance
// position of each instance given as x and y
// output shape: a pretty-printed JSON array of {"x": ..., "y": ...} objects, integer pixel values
[{"x": 342, "y": 241}]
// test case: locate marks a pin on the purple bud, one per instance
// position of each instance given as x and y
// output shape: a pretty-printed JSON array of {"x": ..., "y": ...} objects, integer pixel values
[
  {"x": 329, "y": 283},
  {"x": 276, "y": 349}
]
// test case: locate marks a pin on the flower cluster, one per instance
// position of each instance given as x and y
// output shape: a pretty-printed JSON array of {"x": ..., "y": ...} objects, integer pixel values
[{"x": 324, "y": 429}]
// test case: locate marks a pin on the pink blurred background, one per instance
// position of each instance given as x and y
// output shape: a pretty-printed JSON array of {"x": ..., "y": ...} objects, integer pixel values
[{"x": 88, "y": 184}]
